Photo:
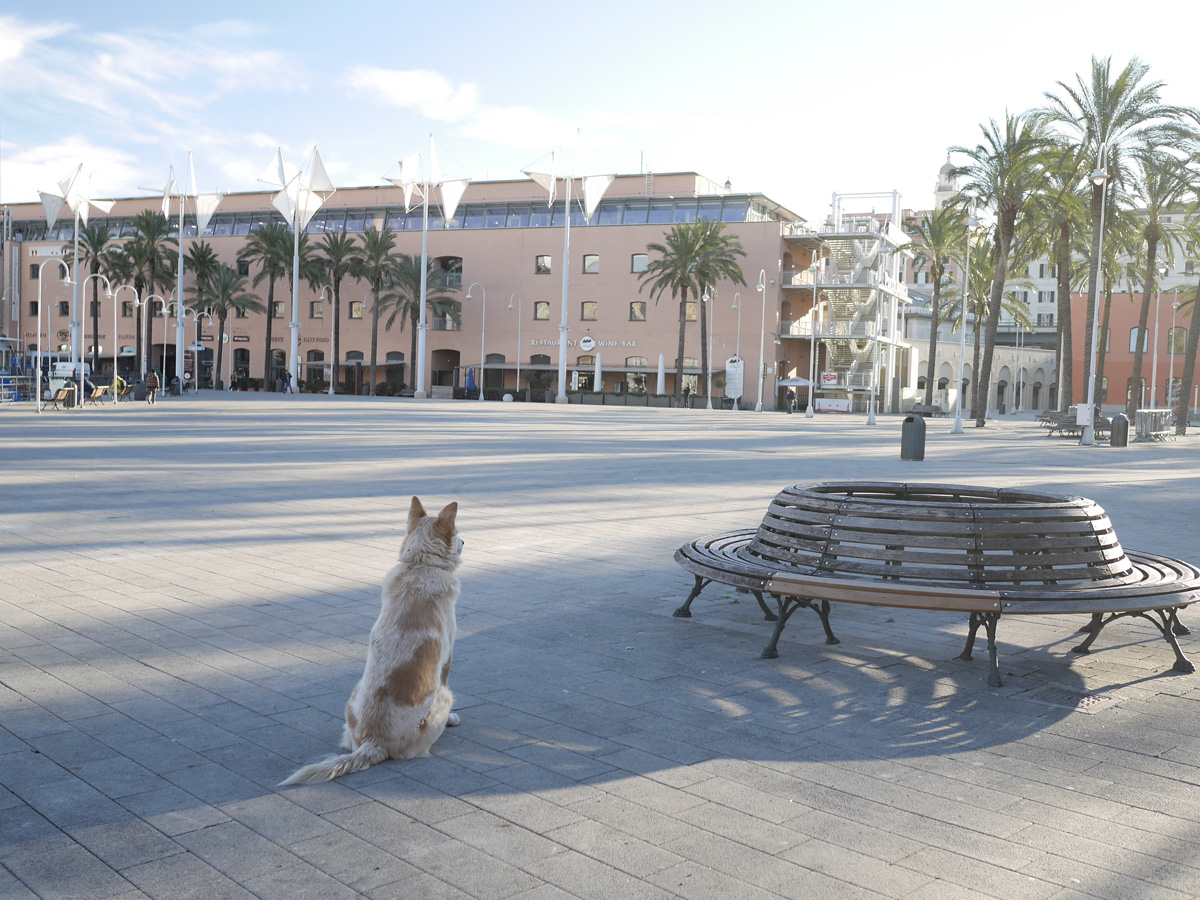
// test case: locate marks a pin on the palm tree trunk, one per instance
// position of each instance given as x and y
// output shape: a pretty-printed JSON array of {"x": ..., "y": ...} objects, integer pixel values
[
  {"x": 269, "y": 359},
  {"x": 975, "y": 365},
  {"x": 1065, "y": 363},
  {"x": 220, "y": 353},
  {"x": 96, "y": 321},
  {"x": 412, "y": 357},
  {"x": 1189, "y": 366},
  {"x": 1133, "y": 397},
  {"x": 933, "y": 330},
  {"x": 682, "y": 338},
  {"x": 1003, "y": 242}
]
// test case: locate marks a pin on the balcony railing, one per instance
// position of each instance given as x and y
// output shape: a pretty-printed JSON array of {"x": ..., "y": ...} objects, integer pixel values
[{"x": 796, "y": 278}]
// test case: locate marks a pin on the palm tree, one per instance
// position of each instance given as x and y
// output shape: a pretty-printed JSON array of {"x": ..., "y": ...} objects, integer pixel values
[
  {"x": 1118, "y": 113},
  {"x": 341, "y": 256},
  {"x": 378, "y": 268},
  {"x": 201, "y": 260},
  {"x": 405, "y": 298},
  {"x": 695, "y": 254},
  {"x": 1163, "y": 184},
  {"x": 1006, "y": 171},
  {"x": 221, "y": 292},
  {"x": 1188, "y": 378},
  {"x": 151, "y": 251},
  {"x": 270, "y": 246},
  {"x": 95, "y": 246},
  {"x": 937, "y": 237}
]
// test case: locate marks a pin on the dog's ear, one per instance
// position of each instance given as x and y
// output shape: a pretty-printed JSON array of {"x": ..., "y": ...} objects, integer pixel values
[
  {"x": 444, "y": 527},
  {"x": 416, "y": 512}
]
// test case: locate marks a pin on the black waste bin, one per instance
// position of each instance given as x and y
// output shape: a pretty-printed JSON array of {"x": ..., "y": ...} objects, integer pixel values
[
  {"x": 551, "y": 396},
  {"x": 1118, "y": 435},
  {"x": 139, "y": 390},
  {"x": 912, "y": 438}
]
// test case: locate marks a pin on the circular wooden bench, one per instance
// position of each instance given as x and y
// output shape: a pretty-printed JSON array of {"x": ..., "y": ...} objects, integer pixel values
[{"x": 984, "y": 551}]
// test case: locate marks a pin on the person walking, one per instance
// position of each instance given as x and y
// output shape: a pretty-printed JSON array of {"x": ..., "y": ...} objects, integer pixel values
[
  {"x": 687, "y": 391},
  {"x": 152, "y": 386},
  {"x": 791, "y": 399},
  {"x": 287, "y": 382}
]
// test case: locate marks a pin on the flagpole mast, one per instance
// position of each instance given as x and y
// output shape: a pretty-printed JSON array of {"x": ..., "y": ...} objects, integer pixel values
[
  {"x": 293, "y": 368},
  {"x": 420, "y": 392},
  {"x": 77, "y": 319}
]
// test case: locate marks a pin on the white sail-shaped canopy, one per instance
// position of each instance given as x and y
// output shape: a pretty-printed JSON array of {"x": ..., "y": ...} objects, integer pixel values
[
  {"x": 452, "y": 192},
  {"x": 594, "y": 187}
]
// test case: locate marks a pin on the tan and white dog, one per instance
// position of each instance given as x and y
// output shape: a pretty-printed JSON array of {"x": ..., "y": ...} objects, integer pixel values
[{"x": 402, "y": 704}]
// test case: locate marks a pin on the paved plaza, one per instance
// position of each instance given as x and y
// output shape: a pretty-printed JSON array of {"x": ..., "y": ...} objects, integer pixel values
[{"x": 187, "y": 590}]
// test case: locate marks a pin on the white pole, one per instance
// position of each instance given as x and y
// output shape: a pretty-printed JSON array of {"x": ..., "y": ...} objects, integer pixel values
[
  {"x": 420, "y": 393},
  {"x": 332, "y": 325},
  {"x": 293, "y": 368},
  {"x": 662, "y": 373},
  {"x": 1087, "y": 436},
  {"x": 1154, "y": 357},
  {"x": 814, "y": 268},
  {"x": 598, "y": 379},
  {"x": 1172, "y": 399},
  {"x": 737, "y": 350},
  {"x": 482, "y": 331},
  {"x": 711, "y": 301},
  {"x": 962, "y": 334},
  {"x": 517, "y": 361},
  {"x": 762, "y": 341},
  {"x": 179, "y": 307},
  {"x": 116, "y": 386},
  {"x": 566, "y": 281}
]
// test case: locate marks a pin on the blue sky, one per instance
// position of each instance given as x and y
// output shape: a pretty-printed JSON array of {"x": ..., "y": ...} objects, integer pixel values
[{"x": 781, "y": 98}]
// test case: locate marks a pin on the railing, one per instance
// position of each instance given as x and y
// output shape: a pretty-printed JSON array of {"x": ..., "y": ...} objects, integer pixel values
[
  {"x": 444, "y": 323},
  {"x": 796, "y": 278}
]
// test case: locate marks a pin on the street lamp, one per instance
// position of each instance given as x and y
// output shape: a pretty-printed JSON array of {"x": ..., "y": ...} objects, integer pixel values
[
  {"x": 116, "y": 344},
  {"x": 482, "y": 331},
  {"x": 517, "y": 381},
  {"x": 332, "y": 324},
  {"x": 708, "y": 299},
  {"x": 812, "y": 342},
  {"x": 1171, "y": 393},
  {"x": 108, "y": 292},
  {"x": 737, "y": 351},
  {"x": 1086, "y": 417},
  {"x": 1154, "y": 364},
  {"x": 38, "y": 373},
  {"x": 166, "y": 305},
  {"x": 762, "y": 341},
  {"x": 962, "y": 329}
]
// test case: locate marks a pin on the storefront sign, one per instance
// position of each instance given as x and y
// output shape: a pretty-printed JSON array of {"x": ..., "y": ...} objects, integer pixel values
[{"x": 829, "y": 378}]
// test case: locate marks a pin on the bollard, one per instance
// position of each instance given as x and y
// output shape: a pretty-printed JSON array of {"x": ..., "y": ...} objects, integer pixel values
[
  {"x": 1118, "y": 435},
  {"x": 912, "y": 438}
]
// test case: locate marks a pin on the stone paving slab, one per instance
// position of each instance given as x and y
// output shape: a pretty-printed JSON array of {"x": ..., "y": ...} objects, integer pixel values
[{"x": 187, "y": 590}]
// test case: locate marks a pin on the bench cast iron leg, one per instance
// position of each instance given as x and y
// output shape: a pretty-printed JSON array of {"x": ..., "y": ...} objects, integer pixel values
[
  {"x": 989, "y": 621},
  {"x": 972, "y": 627},
  {"x": 786, "y": 608},
  {"x": 1165, "y": 620},
  {"x": 767, "y": 614},
  {"x": 1093, "y": 624},
  {"x": 1180, "y": 629},
  {"x": 685, "y": 611}
]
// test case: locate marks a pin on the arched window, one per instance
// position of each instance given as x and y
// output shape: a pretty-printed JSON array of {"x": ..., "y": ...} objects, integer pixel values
[
  {"x": 539, "y": 359},
  {"x": 635, "y": 362},
  {"x": 1133, "y": 337},
  {"x": 1177, "y": 340},
  {"x": 585, "y": 360}
]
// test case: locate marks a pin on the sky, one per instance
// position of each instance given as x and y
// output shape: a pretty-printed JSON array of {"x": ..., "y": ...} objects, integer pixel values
[{"x": 795, "y": 100}]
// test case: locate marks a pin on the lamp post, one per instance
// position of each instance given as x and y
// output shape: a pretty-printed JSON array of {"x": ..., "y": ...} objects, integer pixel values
[
  {"x": 108, "y": 292},
  {"x": 1086, "y": 418},
  {"x": 482, "y": 331},
  {"x": 332, "y": 322},
  {"x": 1171, "y": 398},
  {"x": 812, "y": 343},
  {"x": 144, "y": 303},
  {"x": 116, "y": 344},
  {"x": 737, "y": 348},
  {"x": 708, "y": 299},
  {"x": 517, "y": 380},
  {"x": 962, "y": 329},
  {"x": 165, "y": 306},
  {"x": 762, "y": 341},
  {"x": 38, "y": 372},
  {"x": 1154, "y": 358}
]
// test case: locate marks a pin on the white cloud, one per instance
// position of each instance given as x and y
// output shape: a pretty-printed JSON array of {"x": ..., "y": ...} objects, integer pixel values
[
  {"x": 113, "y": 172},
  {"x": 433, "y": 95},
  {"x": 16, "y": 37}
]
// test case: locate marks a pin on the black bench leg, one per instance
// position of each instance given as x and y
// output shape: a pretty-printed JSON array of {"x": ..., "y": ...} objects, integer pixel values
[
  {"x": 989, "y": 621},
  {"x": 1092, "y": 623},
  {"x": 823, "y": 612},
  {"x": 1179, "y": 628},
  {"x": 767, "y": 614},
  {"x": 685, "y": 611},
  {"x": 1168, "y": 620},
  {"x": 972, "y": 627},
  {"x": 786, "y": 608}
]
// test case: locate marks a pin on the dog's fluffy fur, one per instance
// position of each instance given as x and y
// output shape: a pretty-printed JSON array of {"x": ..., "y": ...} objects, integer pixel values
[{"x": 402, "y": 703}]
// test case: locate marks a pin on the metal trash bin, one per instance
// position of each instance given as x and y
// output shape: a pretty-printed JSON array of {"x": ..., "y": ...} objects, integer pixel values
[
  {"x": 1118, "y": 435},
  {"x": 139, "y": 390},
  {"x": 912, "y": 438}
]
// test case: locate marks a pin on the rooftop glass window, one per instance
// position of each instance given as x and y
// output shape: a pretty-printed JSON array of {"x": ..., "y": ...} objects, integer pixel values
[
  {"x": 356, "y": 221},
  {"x": 476, "y": 216},
  {"x": 635, "y": 212},
  {"x": 709, "y": 209},
  {"x": 661, "y": 212},
  {"x": 495, "y": 217},
  {"x": 539, "y": 216},
  {"x": 608, "y": 214},
  {"x": 395, "y": 219},
  {"x": 685, "y": 211},
  {"x": 518, "y": 217}
]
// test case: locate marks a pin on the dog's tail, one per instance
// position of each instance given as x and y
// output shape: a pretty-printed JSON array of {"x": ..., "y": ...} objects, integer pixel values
[{"x": 368, "y": 754}]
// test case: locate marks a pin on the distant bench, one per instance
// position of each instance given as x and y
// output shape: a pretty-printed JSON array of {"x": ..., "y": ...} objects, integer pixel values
[
  {"x": 927, "y": 411},
  {"x": 983, "y": 551}
]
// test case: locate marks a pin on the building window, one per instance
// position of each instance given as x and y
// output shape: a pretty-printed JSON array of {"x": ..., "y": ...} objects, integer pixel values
[
  {"x": 243, "y": 268},
  {"x": 448, "y": 271},
  {"x": 316, "y": 309},
  {"x": 1045, "y": 296},
  {"x": 637, "y": 311},
  {"x": 591, "y": 264},
  {"x": 277, "y": 309},
  {"x": 33, "y": 307},
  {"x": 241, "y": 312},
  {"x": 1189, "y": 267},
  {"x": 587, "y": 360},
  {"x": 64, "y": 307},
  {"x": 638, "y": 263},
  {"x": 541, "y": 265},
  {"x": 690, "y": 362},
  {"x": 691, "y": 311},
  {"x": 636, "y": 362},
  {"x": 587, "y": 311},
  {"x": 541, "y": 311},
  {"x": 34, "y": 271},
  {"x": 94, "y": 308},
  {"x": 126, "y": 309},
  {"x": 1177, "y": 340},
  {"x": 1133, "y": 336},
  {"x": 1045, "y": 319},
  {"x": 356, "y": 309}
]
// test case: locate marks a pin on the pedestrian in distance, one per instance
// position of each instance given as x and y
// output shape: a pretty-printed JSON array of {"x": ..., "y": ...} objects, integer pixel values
[
  {"x": 791, "y": 399},
  {"x": 687, "y": 391},
  {"x": 152, "y": 386}
]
